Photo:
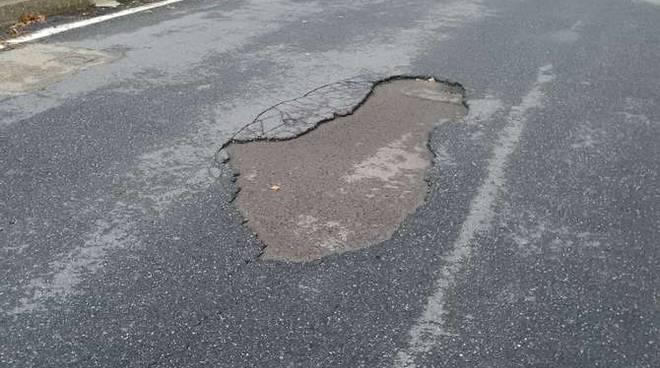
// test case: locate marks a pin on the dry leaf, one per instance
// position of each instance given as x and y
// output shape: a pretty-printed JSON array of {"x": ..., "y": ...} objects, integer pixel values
[
  {"x": 24, "y": 21},
  {"x": 29, "y": 18}
]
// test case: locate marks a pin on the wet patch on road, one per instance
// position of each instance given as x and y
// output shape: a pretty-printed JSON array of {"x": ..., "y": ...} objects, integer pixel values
[
  {"x": 350, "y": 182},
  {"x": 34, "y": 67}
]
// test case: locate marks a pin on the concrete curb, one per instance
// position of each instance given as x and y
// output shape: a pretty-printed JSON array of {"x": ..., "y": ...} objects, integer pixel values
[{"x": 11, "y": 10}]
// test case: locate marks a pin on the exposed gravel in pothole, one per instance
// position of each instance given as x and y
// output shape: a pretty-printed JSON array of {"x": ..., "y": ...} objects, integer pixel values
[{"x": 350, "y": 182}]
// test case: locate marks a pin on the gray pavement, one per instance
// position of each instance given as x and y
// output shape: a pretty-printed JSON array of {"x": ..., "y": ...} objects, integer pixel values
[{"x": 536, "y": 246}]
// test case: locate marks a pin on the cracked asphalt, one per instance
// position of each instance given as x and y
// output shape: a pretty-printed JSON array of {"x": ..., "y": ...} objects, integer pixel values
[{"x": 536, "y": 246}]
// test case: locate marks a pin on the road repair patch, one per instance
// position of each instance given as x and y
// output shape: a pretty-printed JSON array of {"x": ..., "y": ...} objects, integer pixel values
[
  {"x": 350, "y": 182},
  {"x": 34, "y": 67}
]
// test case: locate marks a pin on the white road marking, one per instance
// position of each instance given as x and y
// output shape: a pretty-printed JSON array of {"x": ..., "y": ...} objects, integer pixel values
[
  {"x": 46, "y": 32},
  {"x": 481, "y": 110},
  {"x": 429, "y": 328}
]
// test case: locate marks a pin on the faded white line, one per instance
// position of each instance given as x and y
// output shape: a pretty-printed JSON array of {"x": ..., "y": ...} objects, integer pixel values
[
  {"x": 481, "y": 110},
  {"x": 46, "y": 32},
  {"x": 428, "y": 330}
]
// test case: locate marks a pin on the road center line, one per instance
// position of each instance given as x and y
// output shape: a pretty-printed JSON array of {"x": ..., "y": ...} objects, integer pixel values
[{"x": 428, "y": 329}]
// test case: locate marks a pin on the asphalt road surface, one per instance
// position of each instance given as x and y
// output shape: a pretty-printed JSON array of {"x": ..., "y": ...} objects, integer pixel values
[{"x": 537, "y": 244}]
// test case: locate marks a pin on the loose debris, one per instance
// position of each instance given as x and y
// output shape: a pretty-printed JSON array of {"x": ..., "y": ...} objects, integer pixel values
[{"x": 25, "y": 21}]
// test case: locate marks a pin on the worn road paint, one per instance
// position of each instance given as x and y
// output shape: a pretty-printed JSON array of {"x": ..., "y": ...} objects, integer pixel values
[
  {"x": 35, "y": 66},
  {"x": 429, "y": 328},
  {"x": 350, "y": 182}
]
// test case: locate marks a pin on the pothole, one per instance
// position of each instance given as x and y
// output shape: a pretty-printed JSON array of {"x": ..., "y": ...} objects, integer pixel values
[
  {"x": 34, "y": 67},
  {"x": 350, "y": 182}
]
